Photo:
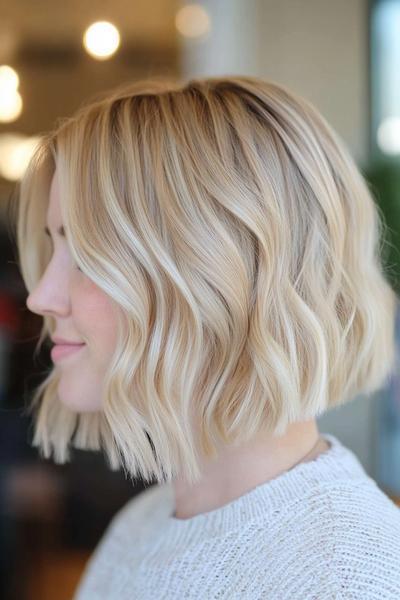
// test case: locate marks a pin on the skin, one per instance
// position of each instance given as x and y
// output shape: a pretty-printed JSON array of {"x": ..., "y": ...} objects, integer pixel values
[
  {"x": 236, "y": 471},
  {"x": 84, "y": 313}
]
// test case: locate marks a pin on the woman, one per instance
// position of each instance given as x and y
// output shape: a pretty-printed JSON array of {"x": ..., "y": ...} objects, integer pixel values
[{"x": 212, "y": 252}]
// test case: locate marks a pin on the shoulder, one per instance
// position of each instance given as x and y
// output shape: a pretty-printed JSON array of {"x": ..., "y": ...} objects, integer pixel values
[
  {"x": 141, "y": 511},
  {"x": 133, "y": 519},
  {"x": 110, "y": 564},
  {"x": 350, "y": 531},
  {"x": 339, "y": 540},
  {"x": 366, "y": 556}
]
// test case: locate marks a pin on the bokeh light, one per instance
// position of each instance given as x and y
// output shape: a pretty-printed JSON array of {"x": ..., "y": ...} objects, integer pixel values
[
  {"x": 101, "y": 40},
  {"x": 192, "y": 21},
  {"x": 10, "y": 98},
  {"x": 388, "y": 135},
  {"x": 15, "y": 153}
]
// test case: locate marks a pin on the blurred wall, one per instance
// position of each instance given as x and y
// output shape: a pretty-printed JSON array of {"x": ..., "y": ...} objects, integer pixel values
[{"x": 318, "y": 48}]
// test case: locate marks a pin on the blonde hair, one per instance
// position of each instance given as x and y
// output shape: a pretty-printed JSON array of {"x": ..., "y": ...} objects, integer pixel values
[{"x": 232, "y": 228}]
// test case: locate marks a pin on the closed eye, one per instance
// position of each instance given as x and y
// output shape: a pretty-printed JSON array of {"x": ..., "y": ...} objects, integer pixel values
[{"x": 61, "y": 232}]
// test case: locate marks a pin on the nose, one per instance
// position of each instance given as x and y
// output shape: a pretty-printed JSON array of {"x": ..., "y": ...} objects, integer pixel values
[{"x": 50, "y": 296}]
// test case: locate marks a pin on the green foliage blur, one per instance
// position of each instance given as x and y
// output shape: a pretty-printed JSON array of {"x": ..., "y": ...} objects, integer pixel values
[{"x": 383, "y": 178}]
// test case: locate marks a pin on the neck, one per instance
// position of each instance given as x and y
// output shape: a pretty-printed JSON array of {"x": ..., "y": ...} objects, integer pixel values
[{"x": 239, "y": 469}]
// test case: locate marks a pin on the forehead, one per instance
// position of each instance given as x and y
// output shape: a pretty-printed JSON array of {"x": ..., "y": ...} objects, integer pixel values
[{"x": 54, "y": 216}]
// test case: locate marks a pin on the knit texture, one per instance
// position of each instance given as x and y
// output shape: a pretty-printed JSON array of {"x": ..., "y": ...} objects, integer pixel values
[{"x": 322, "y": 530}]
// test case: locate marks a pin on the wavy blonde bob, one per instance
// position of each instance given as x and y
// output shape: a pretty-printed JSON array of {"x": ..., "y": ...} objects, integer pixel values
[{"x": 232, "y": 228}]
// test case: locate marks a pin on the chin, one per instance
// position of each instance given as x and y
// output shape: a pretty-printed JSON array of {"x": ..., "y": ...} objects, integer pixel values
[
  {"x": 78, "y": 403},
  {"x": 78, "y": 406},
  {"x": 81, "y": 394}
]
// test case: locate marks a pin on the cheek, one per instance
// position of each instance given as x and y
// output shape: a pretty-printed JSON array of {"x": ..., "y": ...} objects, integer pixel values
[
  {"x": 95, "y": 317},
  {"x": 95, "y": 320}
]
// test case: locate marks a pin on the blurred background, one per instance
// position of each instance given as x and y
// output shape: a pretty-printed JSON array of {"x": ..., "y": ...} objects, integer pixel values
[{"x": 343, "y": 56}]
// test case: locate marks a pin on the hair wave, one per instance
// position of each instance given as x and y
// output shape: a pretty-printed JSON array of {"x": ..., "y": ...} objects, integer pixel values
[{"x": 230, "y": 225}]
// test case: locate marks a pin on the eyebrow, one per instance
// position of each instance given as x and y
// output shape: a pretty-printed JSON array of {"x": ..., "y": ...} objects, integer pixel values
[{"x": 60, "y": 231}]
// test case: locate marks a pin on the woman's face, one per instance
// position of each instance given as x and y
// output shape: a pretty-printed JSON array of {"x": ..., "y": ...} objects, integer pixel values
[{"x": 82, "y": 313}]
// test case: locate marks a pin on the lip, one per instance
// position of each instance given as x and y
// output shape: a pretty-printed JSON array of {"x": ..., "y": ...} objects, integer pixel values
[{"x": 61, "y": 351}]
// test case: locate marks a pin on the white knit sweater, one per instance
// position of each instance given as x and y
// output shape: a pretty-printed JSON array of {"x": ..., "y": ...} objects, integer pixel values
[{"x": 322, "y": 530}]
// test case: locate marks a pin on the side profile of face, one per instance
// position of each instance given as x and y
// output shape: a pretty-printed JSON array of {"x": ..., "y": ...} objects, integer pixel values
[{"x": 82, "y": 312}]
